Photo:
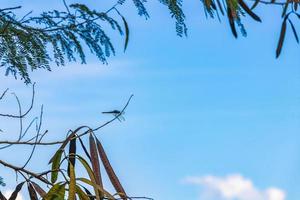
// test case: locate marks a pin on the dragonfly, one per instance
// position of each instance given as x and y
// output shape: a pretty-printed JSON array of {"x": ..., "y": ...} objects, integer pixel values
[{"x": 118, "y": 114}]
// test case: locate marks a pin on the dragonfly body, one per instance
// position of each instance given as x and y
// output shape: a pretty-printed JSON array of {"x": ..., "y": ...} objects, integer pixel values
[{"x": 118, "y": 114}]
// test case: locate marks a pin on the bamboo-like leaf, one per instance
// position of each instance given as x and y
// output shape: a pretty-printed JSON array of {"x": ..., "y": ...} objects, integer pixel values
[
  {"x": 2, "y": 197},
  {"x": 91, "y": 175},
  {"x": 18, "y": 188},
  {"x": 126, "y": 32},
  {"x": 95, "y": 160},
  {"x": 84, "y": 149},
  {"x": 110, "y": 172},
  {"x": 231, "y": 22},
  {"x": 72, "y": 152},
  {"x": 32, "y": 192},
  {"x": 38, "y": 189},
  {"x": 56, "y": 165},
  {"x": 281, "y": 38},
  {"x": 89, "y": 182},
  {"x": 72, "y": 183},
  {"x": 81, "y": 194},
  {"x": 249, "y": 11},
  {"x": 294, "y": 30},
  {"x": 56, "y": 192}
]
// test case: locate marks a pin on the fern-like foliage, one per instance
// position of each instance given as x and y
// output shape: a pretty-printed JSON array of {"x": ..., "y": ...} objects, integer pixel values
[
  {"x": 25, "y": 43},
  {"x": 34, "y": 42}
]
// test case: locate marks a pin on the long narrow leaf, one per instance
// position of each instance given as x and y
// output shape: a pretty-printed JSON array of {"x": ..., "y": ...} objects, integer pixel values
[
  {"x": 38, "y": 189},
  {"x": 294, "y": 30},
  {"x": 32, "y": 192},
  {"x": 249, "y": 11},
  {"x": 91, "y": 175},
  {"x": 15, "y": 193},
  {"x": 72, "y": 152},
  {"x": 110, "y": 172},
  {"x": 81, "y": 194},
  {"x": 55, "y": 165},
  {"x": 89, "y": 182},
  {"x": 72, "y": 183},
  {"x": 64, "y": 144},
  {"x": 126, "y": 32},
  {"x": 95, "y": 160},
  {"x": 281, "y": 38},
  {"x": 56, "y": 192},
  {"x": 2, "y": 197},
  {"x": 84, "y": 149},
  {"x": 231, "y": 22}
]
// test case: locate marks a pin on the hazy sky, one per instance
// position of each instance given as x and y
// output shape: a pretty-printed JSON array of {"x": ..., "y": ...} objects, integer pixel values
[{"x": 212, "y": 117}]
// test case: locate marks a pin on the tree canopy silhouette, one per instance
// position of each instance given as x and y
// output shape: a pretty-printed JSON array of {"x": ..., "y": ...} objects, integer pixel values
[{"x": 32, "y": 42}]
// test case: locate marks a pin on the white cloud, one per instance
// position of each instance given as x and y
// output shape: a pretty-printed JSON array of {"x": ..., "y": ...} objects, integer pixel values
[
  {"x": 233, "y": 187},
  {"x": 7, "y": 194}
]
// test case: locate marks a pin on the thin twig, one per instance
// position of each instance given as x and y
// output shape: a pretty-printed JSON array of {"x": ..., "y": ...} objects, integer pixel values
[
  {"x": 79, "y": 135},
  {"x": 28, "y": 110},
  {"x": 19, "y": 169}
]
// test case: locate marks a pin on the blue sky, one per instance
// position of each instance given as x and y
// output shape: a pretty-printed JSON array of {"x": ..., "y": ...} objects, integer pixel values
[{"x": 208, "y": 110}]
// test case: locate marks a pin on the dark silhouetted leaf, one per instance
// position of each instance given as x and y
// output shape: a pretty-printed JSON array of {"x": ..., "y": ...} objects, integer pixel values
[
  {"x": 281, "y": 38},
  {"x": 72, "y": 152},
  {"x": 294, "y": 30},
  {"x": 39, "y": 190},
  {"x": 249, "y": 11},
  {"x": 126, "y": 33},
  {"x": 14, "y": 195},
  {"x": 84, "y": 149},
  {"x": 220, "y": 6},
  {"x": 2, "y": 197},
  {"x": 255, "y": 4},
  {"x": 32, "y": 192},
  {"x": 231, "y": 22}
]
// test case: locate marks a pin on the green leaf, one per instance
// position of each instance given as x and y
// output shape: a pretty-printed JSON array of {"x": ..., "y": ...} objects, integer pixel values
[
  {"x": 56, "y": 165},
  {"x": 72, "y": 183},
  {"x": 91, "y": 175},
  {"x": 91, "y": 183},
  {"x": 81, "y": 194},
  {"x": 57, "y": 192}
]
